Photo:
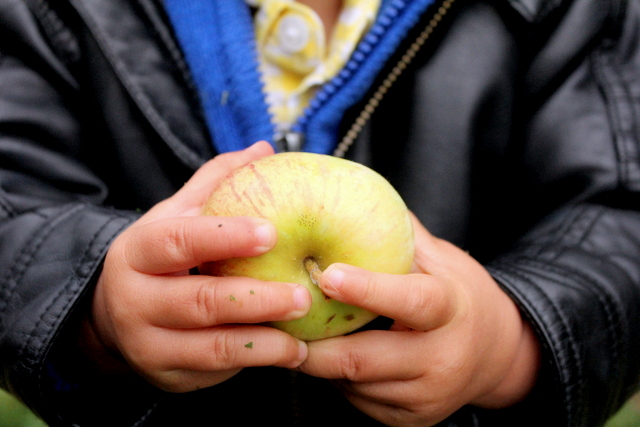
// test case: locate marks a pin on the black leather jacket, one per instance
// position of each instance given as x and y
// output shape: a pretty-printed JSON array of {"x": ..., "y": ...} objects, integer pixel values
[{"x": 531, "y": 161}]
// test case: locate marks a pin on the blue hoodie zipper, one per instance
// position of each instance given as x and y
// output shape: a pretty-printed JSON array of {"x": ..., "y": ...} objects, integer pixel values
[
  {"x": 218, "y": 40},
  {"x": 396, "y": 19},
  {"x": 293, "y": 139},
  {"x": 374, "y": 100},
  {"x": 359, "y": 56}
]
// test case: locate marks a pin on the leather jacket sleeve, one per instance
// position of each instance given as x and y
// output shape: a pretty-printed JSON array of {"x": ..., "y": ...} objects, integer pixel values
[
  {"x": 575, "y": 278},
  {"x": 54, "y": 228},
  {"x": 576, "y": 274}
]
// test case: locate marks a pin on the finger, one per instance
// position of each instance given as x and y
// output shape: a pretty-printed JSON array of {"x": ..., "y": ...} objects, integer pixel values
[
  {"x": 387, "y": 414},
  {"x": 427, "y": 252},
  {"x": 195, "y": 192},
  {"x": 423, "y": 234},
  {"x": 396, "y": 403},
  {"x": 433, "y": 255},
  {"x": 167, "y": 355},
  {"x": 418, "y": 301},
  {"x": 388, "y": 393},
  {"x": 170, "y": 245},
  {"x": 182, "y": 381},
  {"x": 190, "y": 198},
  {"x": 202, "y": 301},
  {"x": 369, "y": 356}
]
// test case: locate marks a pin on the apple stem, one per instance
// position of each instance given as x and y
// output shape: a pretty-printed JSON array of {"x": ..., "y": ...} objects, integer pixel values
[{"x": 314, "y": 270}]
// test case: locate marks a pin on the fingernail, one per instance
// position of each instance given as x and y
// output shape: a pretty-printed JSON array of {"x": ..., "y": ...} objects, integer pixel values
[
  {"x": 257, "y": 143},
  {"x": 300, "y": 298},
  {"x": 266, "y": 236},
  {"x": 335, "y": 278},
  {"x": 303, "y": 351}
]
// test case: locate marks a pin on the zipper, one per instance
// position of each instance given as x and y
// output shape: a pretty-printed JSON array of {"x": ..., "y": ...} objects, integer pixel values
[
  {"x": 288, "y": 140},
  {"x": 372, "y": 38},
  {"x": 293, "y": 139},
  {"x": 406, "y": 59}
]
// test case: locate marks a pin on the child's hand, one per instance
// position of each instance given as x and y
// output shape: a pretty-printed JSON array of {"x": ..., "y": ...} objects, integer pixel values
[
  {"x": 183, "y": 332},
  {"x": 457, "y": 339}
]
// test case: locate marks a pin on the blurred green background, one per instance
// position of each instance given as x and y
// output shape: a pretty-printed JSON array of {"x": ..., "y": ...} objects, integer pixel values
[{"x": 14, "y": 414}]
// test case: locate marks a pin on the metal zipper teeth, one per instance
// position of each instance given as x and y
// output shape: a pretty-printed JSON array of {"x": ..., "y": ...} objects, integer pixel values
[
  {"x": 358, "y": 57},
  {"x": 383, "y": 88}
]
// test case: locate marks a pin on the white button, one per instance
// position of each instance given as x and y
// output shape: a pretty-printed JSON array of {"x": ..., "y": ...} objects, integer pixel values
[{"x": 293, "y": 33}]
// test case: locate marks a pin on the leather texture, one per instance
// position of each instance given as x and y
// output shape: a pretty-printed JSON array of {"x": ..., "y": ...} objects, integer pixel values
[{"x": 514, "y": 134}]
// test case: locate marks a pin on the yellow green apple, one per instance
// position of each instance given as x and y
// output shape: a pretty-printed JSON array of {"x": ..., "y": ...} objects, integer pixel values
[{"x": 326, "y": 210}]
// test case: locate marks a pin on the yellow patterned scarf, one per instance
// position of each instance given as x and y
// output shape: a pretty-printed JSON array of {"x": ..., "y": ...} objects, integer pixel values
[{"x": 294, "y": 58}]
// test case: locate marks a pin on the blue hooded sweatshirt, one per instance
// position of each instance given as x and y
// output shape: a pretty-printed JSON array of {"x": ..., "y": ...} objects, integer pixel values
[{"x": 219, "y": 45}]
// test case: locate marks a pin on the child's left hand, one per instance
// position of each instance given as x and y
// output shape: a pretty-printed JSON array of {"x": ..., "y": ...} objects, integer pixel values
[{"x": 457, "y": 339}]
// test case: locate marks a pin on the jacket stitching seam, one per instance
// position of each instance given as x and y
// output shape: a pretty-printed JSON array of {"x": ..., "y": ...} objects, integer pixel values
[
  {"x": 561, "y": 368},
  {"x": 73, "y": 278},
  {"x": 6, "y": 206},
  {"x": 28, "y": 341},
  {"x": 612, "y": 312},
  {"x": 610, "y": 79},
  {"x": 138, "y": 96},
  {"x": 19, "y": 266},
  {"x": 582, "y": 223},
  {"x": 64, "y": 43},
  {"x": 70, "y": 297},
  {"x": 563, "y": 229},
  {"x": 613, "y": 315},
  {"x": 172, "y": 48},
  {"x": 164, "y": 32},
  {"x": 600, "y": 72},
  {"x": 602, "y": 296}
]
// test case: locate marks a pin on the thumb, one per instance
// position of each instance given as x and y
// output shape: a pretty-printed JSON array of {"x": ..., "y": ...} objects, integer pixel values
[
  {"x": 189, "y": 199},
  {"x": 426, "y": 247}
]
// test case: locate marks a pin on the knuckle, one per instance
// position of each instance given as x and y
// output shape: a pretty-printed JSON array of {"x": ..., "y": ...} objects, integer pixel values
[
  {"x": 206, "y": 310},
  {"x": 222, "y": 347},
  {"x": 352, "y": 364},
  {"x": 419, "y": 301},
  {"x": 176, "y": 241},
  {"x": 285, "y": 354},
  {"x": 372, "y": 289},
  {"x": 122, "y": 251},
  {"x": 452, "y": 364},
  {"x": 140, "y": 355}
]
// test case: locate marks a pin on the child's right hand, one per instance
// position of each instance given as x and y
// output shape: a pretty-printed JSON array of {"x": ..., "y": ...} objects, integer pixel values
[{"x": 184, "y": 332}]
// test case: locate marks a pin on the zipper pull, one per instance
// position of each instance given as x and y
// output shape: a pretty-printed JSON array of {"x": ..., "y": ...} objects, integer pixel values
[{"x": 288, "y": 140}]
